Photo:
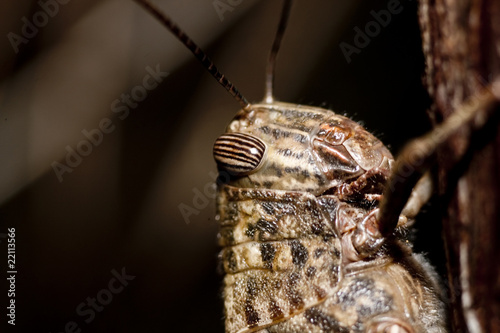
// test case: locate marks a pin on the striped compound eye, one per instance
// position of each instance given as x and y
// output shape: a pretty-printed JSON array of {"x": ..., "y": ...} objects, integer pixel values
[{"x": 238, "y": 153}]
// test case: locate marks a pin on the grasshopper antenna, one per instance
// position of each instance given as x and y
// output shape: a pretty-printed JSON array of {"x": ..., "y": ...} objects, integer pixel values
[
  {"x": 198, "y": 53},
  {"x": 271, "y": 62}
]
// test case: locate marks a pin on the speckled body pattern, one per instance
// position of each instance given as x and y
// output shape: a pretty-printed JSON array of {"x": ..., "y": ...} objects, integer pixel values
[{"x": 285, "y": 228}]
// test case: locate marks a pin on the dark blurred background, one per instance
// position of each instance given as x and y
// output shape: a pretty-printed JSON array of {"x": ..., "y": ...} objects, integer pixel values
[{"x": 119, "y": 207}]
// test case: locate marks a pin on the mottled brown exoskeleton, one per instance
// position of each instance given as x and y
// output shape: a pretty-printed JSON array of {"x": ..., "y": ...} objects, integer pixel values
[
  {"x": 301, "y": 251},
  {"x": 312, "y": 210}
]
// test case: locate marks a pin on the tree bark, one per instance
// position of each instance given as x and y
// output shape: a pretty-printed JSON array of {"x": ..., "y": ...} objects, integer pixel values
[{"x": 461, "y": 43}]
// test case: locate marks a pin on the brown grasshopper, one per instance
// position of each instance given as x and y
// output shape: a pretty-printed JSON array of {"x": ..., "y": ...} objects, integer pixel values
[{"x": 312, "y": 209}]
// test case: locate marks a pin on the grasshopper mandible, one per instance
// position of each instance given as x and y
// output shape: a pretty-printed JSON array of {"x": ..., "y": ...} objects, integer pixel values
[{"x": 306, "y": 247}]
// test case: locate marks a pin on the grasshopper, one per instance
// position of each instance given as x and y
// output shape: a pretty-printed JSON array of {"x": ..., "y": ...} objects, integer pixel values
[{"x": 312, "y": 210}]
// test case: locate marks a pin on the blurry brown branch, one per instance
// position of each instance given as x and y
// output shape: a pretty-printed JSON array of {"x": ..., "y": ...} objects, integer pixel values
[{"x": 459, "y": 40}]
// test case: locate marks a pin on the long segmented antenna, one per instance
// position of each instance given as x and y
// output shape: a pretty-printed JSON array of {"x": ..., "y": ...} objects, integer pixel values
[
  {"x": 198, "y": 53},
  {"x": 271, "y": 62}
]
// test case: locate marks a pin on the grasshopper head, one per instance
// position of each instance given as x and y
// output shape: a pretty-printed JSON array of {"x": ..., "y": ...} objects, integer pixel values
[{"x": 299, "y": 148}]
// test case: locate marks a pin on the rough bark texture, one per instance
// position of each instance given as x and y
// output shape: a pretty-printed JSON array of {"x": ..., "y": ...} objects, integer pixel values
[{"x": 461, "y": 41}]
